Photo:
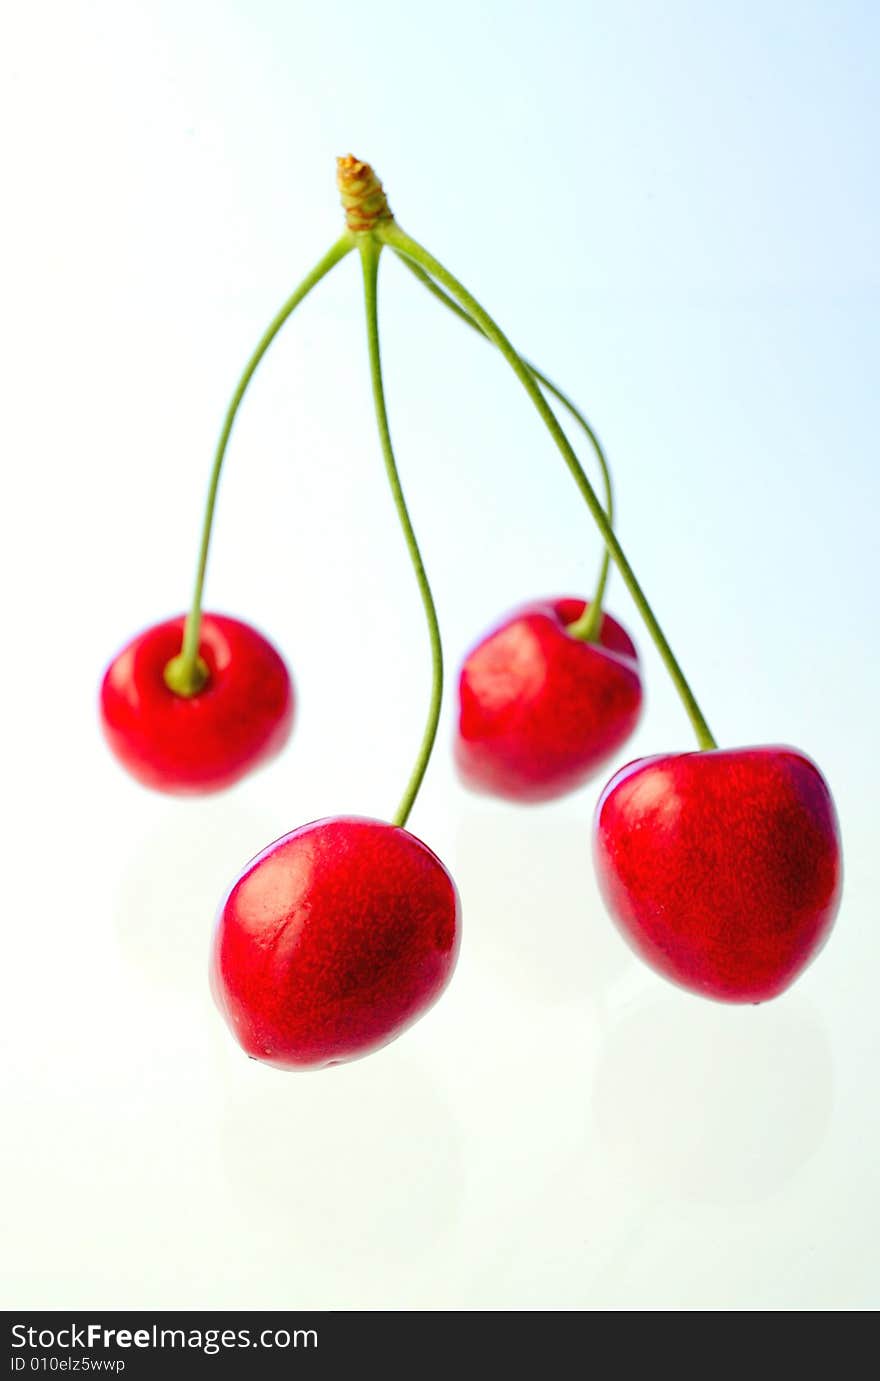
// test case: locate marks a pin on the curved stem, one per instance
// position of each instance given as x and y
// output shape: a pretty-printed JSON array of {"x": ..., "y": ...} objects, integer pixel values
[
  {"x": 587, "y": 627},
  {"x": 186, "y": 673},
  {"x": 370, "y": 252},
  {"x": 391, "y": 234}
]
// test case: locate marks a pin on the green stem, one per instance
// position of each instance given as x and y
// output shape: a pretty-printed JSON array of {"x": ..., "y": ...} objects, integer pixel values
[
  {"x": 186, "y": 673},
  {"x": 588, "y": 626},
  {"x": 370, "y": 252},
  {"x": 390, "y": 233}
]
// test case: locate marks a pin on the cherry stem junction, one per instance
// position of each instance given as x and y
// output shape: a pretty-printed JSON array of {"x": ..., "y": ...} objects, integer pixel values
[
  {"x": 389, "y": 233},
  {"x": 370, "y": 250},
  {"x": 186, "y": 674},
  {"x": 588, "y": 626}
]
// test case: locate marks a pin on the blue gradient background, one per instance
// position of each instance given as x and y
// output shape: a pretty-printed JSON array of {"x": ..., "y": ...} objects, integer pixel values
[{"x": 673, "y": 209}]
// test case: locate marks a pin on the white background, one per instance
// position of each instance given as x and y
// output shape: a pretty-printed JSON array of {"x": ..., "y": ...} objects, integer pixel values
[{"x": 671, "y": 208}]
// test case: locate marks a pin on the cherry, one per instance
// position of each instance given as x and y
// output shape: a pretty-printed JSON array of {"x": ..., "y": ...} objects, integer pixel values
[
  {"x": 193, "y": 704},
  {"x": 538, "y": 716},
  {"x": 332, "y": 941},
  {"x": 540, "y": 710},
  {"x": 338, "y": 936},
  {"x": 187, "y": 744},
  {"x": 721, "y": 868}
]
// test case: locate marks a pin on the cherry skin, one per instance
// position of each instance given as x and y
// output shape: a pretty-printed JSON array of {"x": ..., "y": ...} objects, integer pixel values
[
  {"x": 540, "y": 710},
  {"x": 205, "y": 742},
  {"x": 332, "y": 941},
  {"x": 723, "y": 868}
]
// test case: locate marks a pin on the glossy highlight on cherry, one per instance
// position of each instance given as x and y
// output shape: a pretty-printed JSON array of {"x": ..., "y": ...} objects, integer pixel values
[{"x": 206, "y": 742}]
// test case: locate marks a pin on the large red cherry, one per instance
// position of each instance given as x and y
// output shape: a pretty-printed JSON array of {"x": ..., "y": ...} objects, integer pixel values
[
  {"x": 541, "y": 711},
  {"x": 721, "y": 868},
  {"x": 332, "y": 941},
  {"x": 240, "y": 718}
]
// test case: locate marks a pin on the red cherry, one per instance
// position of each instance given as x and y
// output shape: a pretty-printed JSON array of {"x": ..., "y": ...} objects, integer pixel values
[
  {"x": 722, "y": 868},
  {"x": 204, "y": 742},
  {"x": 540, "y": 710},
  {"x": 332, "y": 941}
]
